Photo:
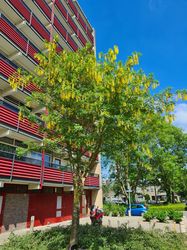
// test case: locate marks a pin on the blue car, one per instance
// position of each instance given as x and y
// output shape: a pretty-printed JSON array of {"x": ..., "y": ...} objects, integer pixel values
[{"x": 136, "y": 210}]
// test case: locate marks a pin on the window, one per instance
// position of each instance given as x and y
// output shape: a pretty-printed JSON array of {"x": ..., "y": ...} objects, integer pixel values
[
  {"x": 57, "y": 163},
  {"x": 133, "y": 206},
  {"x": 47, "y": 160}
]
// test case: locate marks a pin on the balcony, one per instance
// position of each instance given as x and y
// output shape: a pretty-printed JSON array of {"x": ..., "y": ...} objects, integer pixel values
[
  {"x": 37, "y": 27},
  {"x": 29, "y": 170},
  {"x": 16, "y": 37},
  {"x": 69, "y": 20},
  {"x": 57, "y": 24},
  {"x": 80, "y": 20},
  {"x": 7, "y": 68},
  {"x": 9, "y": 117}
]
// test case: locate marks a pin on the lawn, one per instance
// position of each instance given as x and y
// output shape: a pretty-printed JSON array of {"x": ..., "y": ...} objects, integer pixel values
[{"x": 99, "y": 238}]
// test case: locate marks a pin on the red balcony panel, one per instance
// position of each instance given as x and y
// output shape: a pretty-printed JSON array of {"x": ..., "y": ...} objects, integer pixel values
[
  {"x": 25, "y": 125},
  {"x": 58, "y": 176},
  {"x": 81, "y": 37},
  {"x": 31, "y": 88},
  {"x": 32, "y": 51},
  {"x": 72, "y": 43},
  {"x": 59, "y": 48},
  {"x": 27, "y": 171},
  {"x": 67, "y": 177},
  {"x": 61, "y": 8},
  {"x": 26, "y": 13},
  {"x": 40, "y": 29},
  {"x": 20, "y": 6},
  {"x": 13, "y": 34},
  {"x": 20, "y": 170},
  {"x": 60, "y": 28},
  {"x": 5, "y": 167},
  {"x": 53, "y": 175},
  {"x": 74, "y": 9},
  {"x": 90, "y": 36},
  {"x": 24, "y": 170},
  {"x": 72, "y": 24},
  {"x": 92, "y": 181},
  {"x": 45, "y": 8},
  {"x": 10, "y": 117},
  {"x": 82, "y": 22},
  {"x": 6, "y": 69}
]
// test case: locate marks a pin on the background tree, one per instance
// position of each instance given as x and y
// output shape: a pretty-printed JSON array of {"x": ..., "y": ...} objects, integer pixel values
[
  {"x": 88, "y": 103},
  {"x": 169, "y": 159}
]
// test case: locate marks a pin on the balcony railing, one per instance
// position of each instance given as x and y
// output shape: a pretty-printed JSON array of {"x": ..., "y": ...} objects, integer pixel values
[
  {"x": 29, "y": 169},
  {"x": 57, "y": 24},
  {"x": 32, "y": 19},
  {"x": 15, "y": 36},
  {"x": 70, "y": 21},
  {"x": 9, "y": 116},
  {"x": 81, "y": 21},
  {"x": 7, "y": 68}
]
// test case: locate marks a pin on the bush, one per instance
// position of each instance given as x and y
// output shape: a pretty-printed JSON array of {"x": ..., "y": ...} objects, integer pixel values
[
  {"x": 101, "y": 238},
  {"x": 148, "y": 216},
  {"x": 171, "y": 214},
  {"x": 177, "y": 216},
  {"x": 174, "y": 207},
  {"x": 161, "y": 216},
  {"x": 114, "y": 209}
]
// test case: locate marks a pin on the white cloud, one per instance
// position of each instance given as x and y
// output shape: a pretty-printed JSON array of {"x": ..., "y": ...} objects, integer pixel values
[{"x": 181, "y": 116}]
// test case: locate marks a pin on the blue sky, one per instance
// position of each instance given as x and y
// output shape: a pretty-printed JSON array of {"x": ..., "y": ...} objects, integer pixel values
[{"x": 156, "y": 28}]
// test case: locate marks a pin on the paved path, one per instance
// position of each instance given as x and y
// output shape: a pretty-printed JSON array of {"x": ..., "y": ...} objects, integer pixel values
[{"x": 134, "y": 221}]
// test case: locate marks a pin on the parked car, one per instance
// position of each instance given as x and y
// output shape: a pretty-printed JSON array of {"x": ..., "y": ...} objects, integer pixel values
[
  {"x": 136, "y": 209},
  {"x": 117, "y": 201}
]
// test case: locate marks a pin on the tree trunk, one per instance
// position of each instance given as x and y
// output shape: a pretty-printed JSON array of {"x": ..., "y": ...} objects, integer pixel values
[
  {"x": 156, "y": 198},
  {"x": 75, "y": 219},
  {"x": 168, "y": 194},
  {"x": 172, "y": 197}
]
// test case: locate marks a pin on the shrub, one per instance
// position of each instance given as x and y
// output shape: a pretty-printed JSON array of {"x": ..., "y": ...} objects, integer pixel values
[
  {"x": 177, "y": 216},
  {"x": 171, "y": 214},
  {"x": 114, "y": 209},
  {"x": 101, "y": 238},
  {"x": 174, "y": 207},
  {"x": 148, "y": 216},
  {"x": 161, "y": 216}
]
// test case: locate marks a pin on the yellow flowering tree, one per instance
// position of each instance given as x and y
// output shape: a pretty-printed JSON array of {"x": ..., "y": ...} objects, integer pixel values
[{"x": 87, "y": 103}]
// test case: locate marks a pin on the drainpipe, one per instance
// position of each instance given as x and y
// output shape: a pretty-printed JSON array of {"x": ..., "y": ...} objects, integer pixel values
[
  {"x": 52, "y": 20},
  {"x": 51, "y": 39}
]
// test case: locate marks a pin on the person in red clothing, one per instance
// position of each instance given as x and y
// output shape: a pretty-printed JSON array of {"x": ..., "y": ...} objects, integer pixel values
[{"x": 96, "y": 215}]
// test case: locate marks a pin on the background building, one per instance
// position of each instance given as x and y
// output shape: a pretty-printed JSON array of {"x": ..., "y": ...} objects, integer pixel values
[{"x": 36, "y": 186}]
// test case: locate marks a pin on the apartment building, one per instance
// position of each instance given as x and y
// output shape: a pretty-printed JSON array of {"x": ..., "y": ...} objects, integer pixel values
[{"x": 36, "y": 189}]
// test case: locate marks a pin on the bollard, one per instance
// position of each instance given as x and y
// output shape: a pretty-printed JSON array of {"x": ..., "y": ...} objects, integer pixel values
[
  {"x": 182, "y": 227},
  {"x": 109, "y": 223},
  {"x": 139, "y": 224},
  {"x": 154, "y": 224},
  {"x": 118, "y": 223},
  {"x": 174, "y": 226},
  {"x": 32, "y": 223}
]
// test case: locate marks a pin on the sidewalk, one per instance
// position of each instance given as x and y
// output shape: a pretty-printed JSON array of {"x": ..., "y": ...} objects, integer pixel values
[{"x": 134, "y": 221}]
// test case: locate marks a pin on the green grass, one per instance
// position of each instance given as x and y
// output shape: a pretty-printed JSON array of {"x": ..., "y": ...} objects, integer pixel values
[{"x": 99, "y": 238}]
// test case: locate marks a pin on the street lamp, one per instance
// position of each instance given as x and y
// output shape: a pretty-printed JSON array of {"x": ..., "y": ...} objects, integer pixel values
[{"x": 129, "y": 195}]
